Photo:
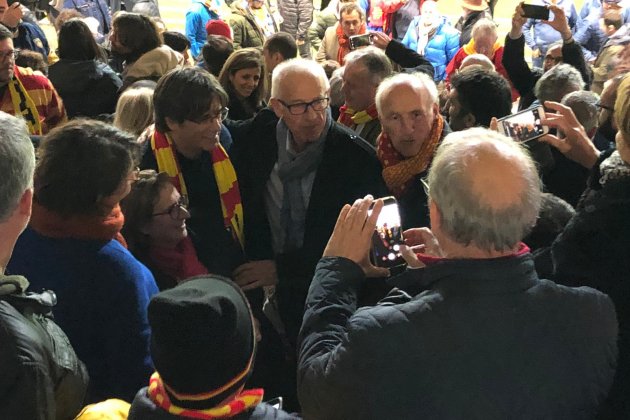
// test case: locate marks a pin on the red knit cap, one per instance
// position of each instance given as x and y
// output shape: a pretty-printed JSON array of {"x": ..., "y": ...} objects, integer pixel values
[{"x": 218, "y": 27}]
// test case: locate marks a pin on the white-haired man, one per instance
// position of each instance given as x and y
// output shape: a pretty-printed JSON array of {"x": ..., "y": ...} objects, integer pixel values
[
  {"x": 296, "y": 168},
  {"x": 412, "y": 129},
  {"x": 365, "y": 69},
  {"x": 486, "y": 339}
]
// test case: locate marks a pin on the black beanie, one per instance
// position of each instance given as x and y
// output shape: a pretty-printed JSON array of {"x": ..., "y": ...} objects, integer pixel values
[{"x": 202, "y": 339}]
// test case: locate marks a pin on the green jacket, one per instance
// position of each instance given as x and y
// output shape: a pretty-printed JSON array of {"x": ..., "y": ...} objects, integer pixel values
[{"x": 246, "y": 32}]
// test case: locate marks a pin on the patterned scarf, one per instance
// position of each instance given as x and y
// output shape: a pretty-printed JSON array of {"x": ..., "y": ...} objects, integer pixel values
[
  {"x": 398, "y": 171},
  {"x": 224, "y": 173},
  {"x": 244, "y": 401},
  {"x": 344, "y": 42},
  {"x": 23, "y": 105},
  {"x": 351, "y": 118}
]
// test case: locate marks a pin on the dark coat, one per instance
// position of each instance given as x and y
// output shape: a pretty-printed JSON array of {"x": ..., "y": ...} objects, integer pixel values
[
  {"x": 465, "y": 24},
  {"x": 143, "y": 408},
  {"x": 524, "y": 79},
  {"x": 408, "y": 59},
  {"x": 349, "y": 169},
  {"x": 77, "y": 80},
  {"x": 487, "y": 340},
  {"x": 594, "y": 250}
]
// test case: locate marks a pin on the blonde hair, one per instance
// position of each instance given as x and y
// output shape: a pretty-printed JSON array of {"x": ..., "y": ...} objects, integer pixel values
[{"x": 134, "y": 110}]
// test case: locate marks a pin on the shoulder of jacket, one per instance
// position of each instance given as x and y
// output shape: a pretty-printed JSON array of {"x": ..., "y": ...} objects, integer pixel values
[{"x": 344, "y": 135}]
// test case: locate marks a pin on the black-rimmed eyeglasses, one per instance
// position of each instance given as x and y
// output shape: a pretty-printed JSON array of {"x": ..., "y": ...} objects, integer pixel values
[
  {"x": 221, "y": 116},
  {"x": 10, "y": 54},
  {"x": 177, "y": 211},
  {"x": 300, "y": 108}
]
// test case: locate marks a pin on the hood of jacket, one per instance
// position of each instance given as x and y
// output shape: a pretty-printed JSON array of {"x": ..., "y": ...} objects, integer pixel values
[
  {"x": 76, "y": 76},
  {"x": 154, "y": 63}
]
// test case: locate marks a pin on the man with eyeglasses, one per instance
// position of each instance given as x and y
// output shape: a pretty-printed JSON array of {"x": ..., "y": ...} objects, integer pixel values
[
  {"x": 565, "y": 51},
  {"x": 25, "y": 94},
  {"x": 297, "y": 167}
]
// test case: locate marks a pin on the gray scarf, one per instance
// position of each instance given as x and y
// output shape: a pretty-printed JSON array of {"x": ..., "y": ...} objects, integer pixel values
[{"x": 292, "y": 168}]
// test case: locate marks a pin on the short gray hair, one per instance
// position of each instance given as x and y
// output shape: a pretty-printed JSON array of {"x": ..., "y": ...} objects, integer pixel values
[
  {"x": 465, "y": 217},
  {"x": 296, "y": 65},
  {"x": 557, "y": 82},
  {"x": 17, "y": 162},
  {"x": 584, "y": 106},
  {"x": 374, "y": 60},
  {"x": 415, "y": 81}
]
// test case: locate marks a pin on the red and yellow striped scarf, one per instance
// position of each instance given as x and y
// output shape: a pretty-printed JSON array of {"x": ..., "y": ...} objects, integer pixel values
[
  {"x": 351, "y": 118},
  {"x": 23, "y": 105},
  {"x": 244, "y": 401},
  {"x": 224, "y": 173}
]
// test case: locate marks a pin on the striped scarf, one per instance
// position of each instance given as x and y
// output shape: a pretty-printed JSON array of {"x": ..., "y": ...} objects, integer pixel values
[
  {"x": 244, "y": 401},
  {"x": 24, "y": 106},
  {"x": 351, "y": 118},
  {"x": 398, "y": 171},
  {"x": 224, "y": 173}
]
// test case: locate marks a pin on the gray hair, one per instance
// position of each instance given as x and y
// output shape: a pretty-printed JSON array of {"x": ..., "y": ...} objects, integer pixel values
[
  {"x": 419, "y": 82},
  {"x": 584, "y": 106},
  {"x": 17, "y": 163},
  {"x": 465, "y": 217},
  {"x": 479, "y": 60},
  {"x": 557, "y": 82},
  {"x": 484, "y": 25},
  {"x": 374, "y": 60},
  {"x": 296, "y": 65}
]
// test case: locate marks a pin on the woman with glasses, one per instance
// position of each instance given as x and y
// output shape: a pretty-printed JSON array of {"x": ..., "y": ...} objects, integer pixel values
[
  {"x": 243, "y": 78},
  {"x": 73, "y": 246},
  {"x": 155, "y": 229}
]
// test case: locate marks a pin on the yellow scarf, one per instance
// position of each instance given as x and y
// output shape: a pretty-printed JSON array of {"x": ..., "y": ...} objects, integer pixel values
[
  {"x": 470, "y": 49},
  {"x": 224, "y": 173},
  {"x": 23, "y": 106}
]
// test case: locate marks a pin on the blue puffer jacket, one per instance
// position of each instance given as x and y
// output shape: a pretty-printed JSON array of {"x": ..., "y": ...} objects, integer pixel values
[{"x": 441, "y": 48}]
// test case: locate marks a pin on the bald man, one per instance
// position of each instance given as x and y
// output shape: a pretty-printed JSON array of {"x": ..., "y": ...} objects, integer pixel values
[
  {"x": 297, "y": 168},
  {"x": 483, "y": 337}
]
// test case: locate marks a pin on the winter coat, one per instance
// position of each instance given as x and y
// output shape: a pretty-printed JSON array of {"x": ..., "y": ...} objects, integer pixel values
[
  {"x": 297, "y": 16},
  {"x": 465, "y": 24},
  {"x": 329, "y": 48},
  {"x": 196, "y": 18},
  {"x": 32, "y": 37},
  {"x": 98, "y": 9},
  {"x": 440, "y": 49},
  {"x": 539, "y": 35},
  {"x": 77, "y": 80},
  {"x": 594, "y": 250},
  {"x": 143, "y": 408},
  {"x": 246, "y": 32},
  {"x": 408, "y": 59},
  {"x": 487, "y": 339},
  {"x": 103, "y": 293},
  {"x": 42, "y": 377},
  {"x": 322, "y": 21},
  {"x": 152, "y": 65}
]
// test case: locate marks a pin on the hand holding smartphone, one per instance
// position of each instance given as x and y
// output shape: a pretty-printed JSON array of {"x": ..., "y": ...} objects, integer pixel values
[
  {"x": 387, "y": 237},
  {"x": 524, "y": 126},
  {"x": 534, "y": 11},
  {"x": 358, "y": 41}
]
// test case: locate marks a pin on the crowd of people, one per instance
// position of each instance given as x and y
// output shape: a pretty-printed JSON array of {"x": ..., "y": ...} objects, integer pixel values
[{"x": 187, "y": 219}]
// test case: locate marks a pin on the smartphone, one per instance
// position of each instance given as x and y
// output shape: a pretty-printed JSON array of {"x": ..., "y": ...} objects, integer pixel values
[
  {"x": 525, "y": 125},
  {"x": 358, "y": 41},
  {"x": 535, "y": 12},
  {"x": 387, "y": 237}
]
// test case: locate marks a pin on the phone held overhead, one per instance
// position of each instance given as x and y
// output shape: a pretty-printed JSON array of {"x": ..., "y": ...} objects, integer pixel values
[
  {"x": 524, "y": 126},
  {"x": 534, "y": 11},
  {"x": 358, "y": 41}
]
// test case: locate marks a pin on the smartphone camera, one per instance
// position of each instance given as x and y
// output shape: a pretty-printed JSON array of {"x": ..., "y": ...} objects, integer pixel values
[
  {"x": 534, "y": 11},
  {"x": 387, "y": 237},
  {"x": 525, "y": 125},
  {"x": 358, "y": 41}
]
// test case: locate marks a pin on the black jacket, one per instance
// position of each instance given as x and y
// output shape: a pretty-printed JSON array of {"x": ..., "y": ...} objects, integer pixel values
[
  {"x": 488, "y": 339},
  {"x": 349, "y": 169},
  {"x": 42, "y": 378},
  {"x": 142, "y": 408},
  {"x": 524, "y": 79},
  {"x": 88, "y": 88},
  {"x": 594, "y": 250},
  {"x": 408, "y": 59}
]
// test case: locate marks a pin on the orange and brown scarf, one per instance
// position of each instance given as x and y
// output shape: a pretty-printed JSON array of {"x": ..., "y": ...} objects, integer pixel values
[
  {"x": 351, "y": 118},
  {"x": 224, "y": 173},
  {"x": 344, "y": 42},
  {"x": 398, "y": 171},
  {"x": 243, "y": 401}
]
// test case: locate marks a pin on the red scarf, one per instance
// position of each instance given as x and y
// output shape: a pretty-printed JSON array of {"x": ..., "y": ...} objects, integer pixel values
[
  {"x": 243, "y": 401},
  {"x": 351, "y": 118},
  {"x": 399, "y": 172},
  {"x": 432, "y": 259},
  {"x": 101, "y": 228},
  {"x": 180, "y": 262},
  {"x": 344, "y": 42}
]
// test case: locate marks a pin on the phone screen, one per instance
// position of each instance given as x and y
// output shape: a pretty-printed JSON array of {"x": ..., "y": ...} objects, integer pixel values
[
  {"x": 387, "y": 238},
  {"x": 358, "y": 41},
  {"x": 535, "y": 12},
  {"x": 524, "y": 126}
]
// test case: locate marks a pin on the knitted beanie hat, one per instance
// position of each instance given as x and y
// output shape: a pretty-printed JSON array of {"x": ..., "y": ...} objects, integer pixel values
[
  {"x": 202, "y": 340},
  {"x": 219, "y": 27}
]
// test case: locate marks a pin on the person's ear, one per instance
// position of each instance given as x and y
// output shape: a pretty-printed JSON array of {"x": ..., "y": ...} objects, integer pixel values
[
  {"x": 277, "y": 58},
  {"x": 434, "y": 215},
  {"x": 277, "y": 107},
  {"x": 25, "y": 205},
  {"x": 171, "y": 123},
  {"x": 469, "y": 120}
]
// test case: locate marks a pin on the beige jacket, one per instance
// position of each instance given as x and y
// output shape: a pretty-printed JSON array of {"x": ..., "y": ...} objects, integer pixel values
[{"x": 329, "y": 48}]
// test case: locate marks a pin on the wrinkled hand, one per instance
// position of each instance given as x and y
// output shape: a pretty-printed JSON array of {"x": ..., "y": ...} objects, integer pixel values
[
  {"x": 256, "y": 274},
  {"x": 518, "y": 20},
  {"x": 575, "y": 145},
  {"x": 352, "y": 236},
  {"x": 380, "y": 40},
  {"x": 13, "y": 15},
  {"x": 419, "y": 240},
  {"x": 559, "y": 21}
]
